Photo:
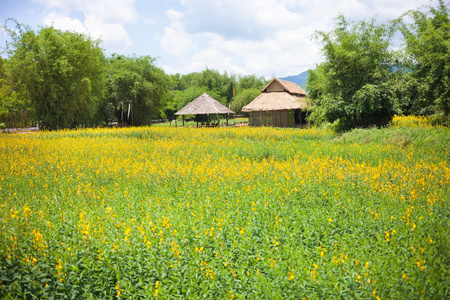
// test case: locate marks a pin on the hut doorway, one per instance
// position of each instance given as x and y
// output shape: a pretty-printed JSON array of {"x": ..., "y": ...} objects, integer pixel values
[
  {"x": 297, "y": 117},
  {"x": 300, "y": 117}
]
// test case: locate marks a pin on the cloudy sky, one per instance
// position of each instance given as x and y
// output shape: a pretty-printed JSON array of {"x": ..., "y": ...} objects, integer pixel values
[{"x": 262, "y": 37}]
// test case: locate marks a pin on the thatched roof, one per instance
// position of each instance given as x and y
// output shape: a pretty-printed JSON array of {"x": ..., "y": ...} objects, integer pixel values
[
  {"x": 204, "y": 105},
  {"x": 275, "y": 101},
  {"x": 289, "y": 87}
]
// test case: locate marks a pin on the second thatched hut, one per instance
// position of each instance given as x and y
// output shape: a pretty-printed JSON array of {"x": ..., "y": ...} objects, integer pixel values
[{"x": 281, "y": 104}]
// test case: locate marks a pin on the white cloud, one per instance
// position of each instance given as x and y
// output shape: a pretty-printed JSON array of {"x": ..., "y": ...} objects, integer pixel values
[
  {"x": 112, "y": 11},
  {"x": 108, "y": 11},
  {"x": 389, "y": 9},
  {"x": 175, "y": 39},
  {"x": 236, "y": 19},
  {"x": 264, "y": 37},
  {"x": 103, "y": 19},
  {"x": 64, "y": 23},
  {"x": 114, "y": 35}
]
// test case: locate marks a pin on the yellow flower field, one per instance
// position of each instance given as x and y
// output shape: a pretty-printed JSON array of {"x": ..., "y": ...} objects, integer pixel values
[{"x": 160, "y": 212}]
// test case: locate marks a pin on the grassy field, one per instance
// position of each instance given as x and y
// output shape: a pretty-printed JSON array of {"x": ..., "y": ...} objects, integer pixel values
[{"x": 226, "y": 213}]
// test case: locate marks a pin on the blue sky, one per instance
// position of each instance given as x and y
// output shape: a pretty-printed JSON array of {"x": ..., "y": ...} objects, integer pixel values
[{"x": 262, "y": 37}]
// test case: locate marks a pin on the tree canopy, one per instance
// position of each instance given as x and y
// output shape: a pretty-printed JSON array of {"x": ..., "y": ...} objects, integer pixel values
[
  {"x": 60, "y": 72},
  {"x": 134, "y": 83},
  {"x": 427, "y": 50},
  {"x": 349, "y": 85},
  {"x": 363, "y": 82}
]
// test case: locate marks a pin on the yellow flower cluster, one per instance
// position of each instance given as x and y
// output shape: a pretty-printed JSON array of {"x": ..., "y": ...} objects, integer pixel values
[{"x": 238, "y": 202}]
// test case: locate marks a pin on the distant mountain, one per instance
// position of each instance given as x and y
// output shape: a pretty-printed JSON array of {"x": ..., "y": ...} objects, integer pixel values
[{"x": 299, "y": 79}]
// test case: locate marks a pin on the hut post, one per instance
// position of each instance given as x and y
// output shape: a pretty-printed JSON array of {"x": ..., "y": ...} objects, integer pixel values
[
  {"x": 182, "y": 117},
  {"x": 227, "y": 119}
]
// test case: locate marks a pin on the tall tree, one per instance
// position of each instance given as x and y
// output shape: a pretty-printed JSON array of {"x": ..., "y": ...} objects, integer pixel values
[
  {"x": 251, "y": 82},
  {"x": 357, "y": 66},
  {"x": 60, "y": 72},
  {"x": 428, "y": 56},
  {"x": 11, "y": 102},
  {"x": 5, "y": 92},
  {"x": 137, "y": 88}
]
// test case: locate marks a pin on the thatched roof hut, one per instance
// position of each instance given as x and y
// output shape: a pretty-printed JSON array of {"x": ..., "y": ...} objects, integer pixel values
[
  {"x": 279, "y": 85},
  {"x": 275, "y": 101},
  {"x": 281, "y": 104},
  {"x": 278, "y": 95},
  {"x": 204, "y": 105}
]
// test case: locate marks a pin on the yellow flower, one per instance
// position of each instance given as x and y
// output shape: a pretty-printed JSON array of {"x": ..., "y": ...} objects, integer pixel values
[
  {"x": 387, "y": 237},
  {"x": 291, "y": 276}
]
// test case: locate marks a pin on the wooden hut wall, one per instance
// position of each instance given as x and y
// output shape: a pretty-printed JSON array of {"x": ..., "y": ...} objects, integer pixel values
[
  {"x": 274, "y": 87},
  {"x": 251, "y": 119},
  {"x": 257, "y": 118},
  {"x": 275, "y": 118},
  {"x": 291, "y": 118},
  {"x": 268, "y": 118}
]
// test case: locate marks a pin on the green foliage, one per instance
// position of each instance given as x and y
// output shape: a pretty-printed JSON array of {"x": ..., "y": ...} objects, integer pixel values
[
  {"x": 243, "y": 98},
  {"x": 251, "y": 82},
  {"x": 405, "y": 94},
  {"x": 182, "y": 98},
  {"x": 371, "y": 105},
  {"x": 59, "y": 72},
  {"x": 10, "y": 100},
  {"x": 358, "y": 61},
  {"x": 135, "y": 83},
  {"x": 428, "y": 56},
  {"x": 210, "y": 81}
]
